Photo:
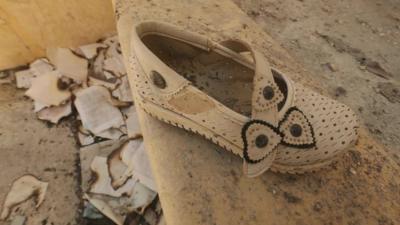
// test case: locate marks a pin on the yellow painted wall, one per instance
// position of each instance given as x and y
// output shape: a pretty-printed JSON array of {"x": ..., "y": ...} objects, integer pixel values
[{"x": 28, "y": 27}]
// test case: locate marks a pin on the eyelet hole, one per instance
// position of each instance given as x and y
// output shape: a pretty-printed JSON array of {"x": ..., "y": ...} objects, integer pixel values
[{"x": 158, "y": 80}]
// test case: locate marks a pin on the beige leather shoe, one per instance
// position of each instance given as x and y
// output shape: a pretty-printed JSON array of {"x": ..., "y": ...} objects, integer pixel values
[{"x": 228, "y": 93}]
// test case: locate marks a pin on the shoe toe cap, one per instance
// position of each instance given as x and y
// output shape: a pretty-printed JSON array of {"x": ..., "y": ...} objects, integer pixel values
[{"x": 334, "y": 129}]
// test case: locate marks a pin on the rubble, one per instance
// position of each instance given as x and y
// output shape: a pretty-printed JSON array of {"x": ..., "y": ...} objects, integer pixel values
[
  {"x": 116, "y": 177},
  {"x": 21, "y": 190}
]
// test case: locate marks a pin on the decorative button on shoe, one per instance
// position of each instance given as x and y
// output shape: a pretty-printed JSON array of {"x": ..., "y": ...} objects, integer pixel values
[{"x": 236, "y": 101}]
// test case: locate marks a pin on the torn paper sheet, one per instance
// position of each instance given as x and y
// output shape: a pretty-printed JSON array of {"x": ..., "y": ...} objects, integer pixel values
[
  {"x": 39, "y": 106},
  {"x": 125, "y": 153},
  {"x": 123, "y": 129},
  {"x": 69, "y": 64},
  {"x": 141, "y": 196},
  {"x": 105, "y": 209},
  {"x": 40, "y": 67},
  {"x": 113, "y": 60},
  {"x": 123, "y": 92},
  {"x": 24, "y": 78},
  {"x": 102, "y": 182},
  {"x": 116, "y": 167},
  {"x": 90, "y": 50},
  {"x": 148, "y": 215},
  {"x": 132, "y": 122},
  {"x": 91, "y": 212},
  {"x": 98, "y": 64},
  {"x": 45, "y": 89},
  {"x": 139, "y": 168},
  {"x": 112, "y": 134},
  {"x": 108, "y": 84},
  {"x": 115, "y": 65},
  {"x": 88, "y": 153},
  {"x": 85, "y": 139},
  {"x": 55, "y": 113},
  {"x": 141, "y": 199},
  {"x": 109, "y": 76},
  {"x": 129, "y": 149},
  {"x": 96, "y": 110},
  {"x": 111, "y": 40},
  {"x": 21, "y": 190}
]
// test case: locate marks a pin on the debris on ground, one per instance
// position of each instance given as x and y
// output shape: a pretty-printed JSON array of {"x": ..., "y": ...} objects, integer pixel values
[
  {"x": 390, "y": 91},
  {"x": 91, "y": 83},
  {"x": 332, "y": 67},
  {"x": 6, "y": 78},
  {"x": 365, "y": 62},
  {"x": 21, "y": 190},
  {"x": 340, "y": 91}
]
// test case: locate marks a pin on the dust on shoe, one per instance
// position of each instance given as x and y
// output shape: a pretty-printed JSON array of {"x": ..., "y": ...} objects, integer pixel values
[{"x": 228, "y": 93}]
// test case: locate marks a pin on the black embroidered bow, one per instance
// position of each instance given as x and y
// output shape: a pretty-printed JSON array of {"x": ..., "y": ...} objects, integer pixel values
[{"x": 260, "y": 138}]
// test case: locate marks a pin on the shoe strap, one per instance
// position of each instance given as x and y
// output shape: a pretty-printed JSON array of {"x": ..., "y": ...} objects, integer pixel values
[{"x": 261, "y": 134}]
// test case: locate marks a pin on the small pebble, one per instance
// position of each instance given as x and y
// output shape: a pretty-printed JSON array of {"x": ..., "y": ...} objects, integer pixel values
[{"x": 353, "y": 171}]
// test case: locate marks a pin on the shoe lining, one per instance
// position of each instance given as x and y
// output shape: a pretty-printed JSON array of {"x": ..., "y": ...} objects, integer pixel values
[{"x": 224, "y": 79}]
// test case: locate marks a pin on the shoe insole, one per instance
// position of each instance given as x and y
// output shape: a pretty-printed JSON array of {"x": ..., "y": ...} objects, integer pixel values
[{"x": 225, "y": 80}]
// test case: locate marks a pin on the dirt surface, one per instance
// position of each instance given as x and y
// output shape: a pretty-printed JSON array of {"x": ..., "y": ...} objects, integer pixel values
[
  {"x": 30, "y": 146},
  {"x": 352, "y": 48},
  {"x": 200, "y": 183},
  {"x": 352, "y": 51}
]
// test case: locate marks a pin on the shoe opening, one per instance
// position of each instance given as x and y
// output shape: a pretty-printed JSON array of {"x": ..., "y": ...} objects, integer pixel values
[{"x": 224, "y": 79}]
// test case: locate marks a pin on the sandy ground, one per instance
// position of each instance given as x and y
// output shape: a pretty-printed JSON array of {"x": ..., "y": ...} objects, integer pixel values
[
  {"x": 30, "y": 146},
  {"x": 330, "y": 39},
  {"x": 204, "y": 184},
  {"x": 307, "y": 29}
]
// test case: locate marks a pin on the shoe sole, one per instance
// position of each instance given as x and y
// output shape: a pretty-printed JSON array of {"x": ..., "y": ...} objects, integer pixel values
[{"x": 169, "y": 117}]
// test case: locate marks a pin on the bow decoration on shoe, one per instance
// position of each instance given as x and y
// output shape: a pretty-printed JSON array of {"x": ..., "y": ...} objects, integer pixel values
[{"x": 261, "y": 138}]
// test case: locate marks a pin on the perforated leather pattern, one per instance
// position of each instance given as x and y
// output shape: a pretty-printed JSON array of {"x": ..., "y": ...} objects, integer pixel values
[
  {"x": 334, "y": 124},
  {"x": 260, "y": 103},
  {"x": 293, "y": 118},
  {"x": 253, "y": 153}
]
